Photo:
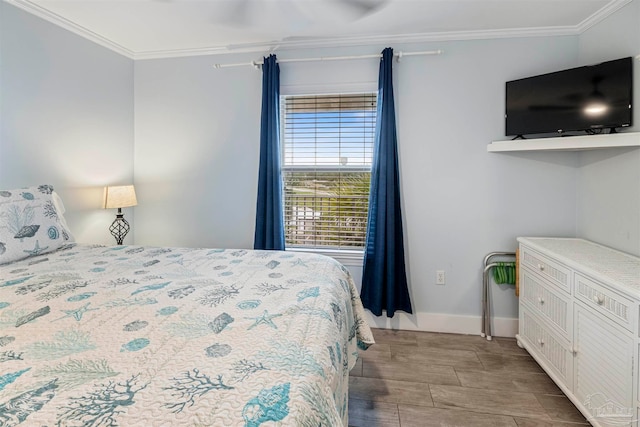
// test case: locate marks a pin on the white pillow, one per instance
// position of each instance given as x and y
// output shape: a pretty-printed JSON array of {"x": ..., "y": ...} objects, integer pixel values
[{"x": 31, "y": 223}]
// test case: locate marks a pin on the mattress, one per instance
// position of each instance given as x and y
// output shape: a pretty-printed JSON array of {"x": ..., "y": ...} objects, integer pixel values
[{"x": 148, "y": 336}]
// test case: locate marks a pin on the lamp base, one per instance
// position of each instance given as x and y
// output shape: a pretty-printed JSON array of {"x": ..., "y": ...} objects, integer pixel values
[{"x": 120, "y": 227}]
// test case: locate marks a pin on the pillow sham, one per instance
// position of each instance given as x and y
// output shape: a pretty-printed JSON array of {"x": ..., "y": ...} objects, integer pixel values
[{"x": 31, "y": 223}]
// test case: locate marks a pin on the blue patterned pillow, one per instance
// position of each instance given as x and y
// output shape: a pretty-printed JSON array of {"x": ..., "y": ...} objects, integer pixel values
[{"x": 31, "y": 223}]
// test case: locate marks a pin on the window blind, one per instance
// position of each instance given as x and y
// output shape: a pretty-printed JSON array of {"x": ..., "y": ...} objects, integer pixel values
[{"x": 327, "y": 154}]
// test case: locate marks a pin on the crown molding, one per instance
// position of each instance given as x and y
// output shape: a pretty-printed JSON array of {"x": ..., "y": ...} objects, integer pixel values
[
  {"x": 328, "y": 42},
  {"x": 178, "y": 53},
  {"x": 60, "y": 21},
  {"x": 306, "y": 43},
  {"x": 601, "y": 14}
]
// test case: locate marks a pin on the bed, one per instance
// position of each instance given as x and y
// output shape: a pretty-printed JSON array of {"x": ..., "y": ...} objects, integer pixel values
[{"x": 148, "y": 336}]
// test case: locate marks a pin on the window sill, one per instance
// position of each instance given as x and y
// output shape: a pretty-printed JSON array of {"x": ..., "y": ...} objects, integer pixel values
[{"x": 344, "y": 256}]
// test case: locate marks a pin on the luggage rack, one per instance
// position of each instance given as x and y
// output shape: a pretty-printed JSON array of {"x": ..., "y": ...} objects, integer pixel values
[{"x": 486, "y": 295}]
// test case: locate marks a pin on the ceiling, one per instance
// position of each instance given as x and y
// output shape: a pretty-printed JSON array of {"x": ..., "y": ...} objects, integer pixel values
[{"x": 143, "y": 29}]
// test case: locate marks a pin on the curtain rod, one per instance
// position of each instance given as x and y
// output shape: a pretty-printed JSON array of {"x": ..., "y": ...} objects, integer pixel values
[{"x": 398, "y": 56}]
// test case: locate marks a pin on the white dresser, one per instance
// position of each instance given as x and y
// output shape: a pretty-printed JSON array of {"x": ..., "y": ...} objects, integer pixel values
[{"x": 579, "y": 307}]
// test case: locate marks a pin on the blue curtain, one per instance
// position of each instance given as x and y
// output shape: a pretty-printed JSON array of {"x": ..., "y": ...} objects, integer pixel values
[
  {"x": 384, "y": 278},
  {"x": 269, "y": 233}
]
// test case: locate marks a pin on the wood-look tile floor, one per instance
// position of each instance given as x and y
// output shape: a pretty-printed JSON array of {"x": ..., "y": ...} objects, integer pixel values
[{"x": 423, "y": 379}]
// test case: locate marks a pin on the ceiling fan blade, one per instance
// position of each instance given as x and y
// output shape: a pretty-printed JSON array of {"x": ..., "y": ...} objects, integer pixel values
[
  {"x": 294, "y": 15},
  {"x": 328, "y": 12},
  {"x": 234, "y": 12},
  {"x": 358, "y": 8}
]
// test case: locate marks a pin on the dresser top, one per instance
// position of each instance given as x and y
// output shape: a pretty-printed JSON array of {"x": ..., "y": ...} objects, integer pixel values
[{"x": 605, "y": 264}]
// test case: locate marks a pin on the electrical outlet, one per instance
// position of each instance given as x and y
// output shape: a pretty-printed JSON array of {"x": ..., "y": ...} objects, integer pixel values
[{"x": 440, "y": 277}]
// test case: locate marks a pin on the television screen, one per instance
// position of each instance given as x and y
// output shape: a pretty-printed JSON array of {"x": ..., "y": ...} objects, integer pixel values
[{"x": 589, "y": 98}]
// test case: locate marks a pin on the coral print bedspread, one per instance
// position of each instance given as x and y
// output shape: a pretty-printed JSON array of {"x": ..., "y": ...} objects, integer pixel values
[{"x": 141, "y": 336}]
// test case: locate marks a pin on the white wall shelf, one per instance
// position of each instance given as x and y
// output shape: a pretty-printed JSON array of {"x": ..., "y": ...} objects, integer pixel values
[{"x": 568, "y": 143}]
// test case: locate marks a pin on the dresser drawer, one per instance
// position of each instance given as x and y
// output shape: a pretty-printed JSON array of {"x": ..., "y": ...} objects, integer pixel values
[
  {"x": 603, "y": 377},
  {"x": 556, "y": 273},
  {"x": 616, "y": 307},
  {"x": 553, "y": 353},
  {"x": 547, "y": 301}
]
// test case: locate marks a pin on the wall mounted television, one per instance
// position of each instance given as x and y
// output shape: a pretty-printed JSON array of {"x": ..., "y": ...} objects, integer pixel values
[{"x": 587, "y": 99}]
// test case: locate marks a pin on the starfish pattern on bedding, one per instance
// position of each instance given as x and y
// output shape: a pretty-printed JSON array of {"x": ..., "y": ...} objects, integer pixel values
[
  {"x": 78, "y": 312},
  {"x": 299, "y": 262},
  {"x": 36, "y": 250},
  {"x": 266, "y": 318}
]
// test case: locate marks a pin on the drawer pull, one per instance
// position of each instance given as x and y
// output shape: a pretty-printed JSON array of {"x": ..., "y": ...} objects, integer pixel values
[
  {"x": 541, "y": 300},
  {"x": 540, "y": 342},
  {"x": 598, "y": 299},
  {"x": 573, "y": 351},
  {"x": 541, "y": 267}
]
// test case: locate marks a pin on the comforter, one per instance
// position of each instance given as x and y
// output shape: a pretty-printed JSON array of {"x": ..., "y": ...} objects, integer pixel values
[{"x": 147, "y": 336}]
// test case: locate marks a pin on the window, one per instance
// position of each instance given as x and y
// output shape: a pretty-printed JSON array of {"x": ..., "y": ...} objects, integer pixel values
[{"x": 327, "y": 152}]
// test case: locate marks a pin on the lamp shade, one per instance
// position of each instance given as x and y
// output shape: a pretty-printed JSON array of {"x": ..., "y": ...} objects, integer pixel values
[{"x": 121, "y": 196}]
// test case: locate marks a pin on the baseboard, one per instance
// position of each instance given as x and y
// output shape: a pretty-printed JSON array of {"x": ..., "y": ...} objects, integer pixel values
[{"x": 449, "y": 323}]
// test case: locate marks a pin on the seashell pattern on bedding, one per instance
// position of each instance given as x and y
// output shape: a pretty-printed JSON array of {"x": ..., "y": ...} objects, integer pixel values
[
  {"x": 31, "y": 223},
  {"x": 93, "y": 335}
]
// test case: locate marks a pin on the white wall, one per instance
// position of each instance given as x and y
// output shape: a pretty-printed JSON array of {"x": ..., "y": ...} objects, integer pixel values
[
  {"x": 197, "y": 146},
  {"x": 608, "y": 203},
  {"x": 66, "y": 108},
  {"x": 69, "y": 109},
  {"x": 196, "y": 170}
]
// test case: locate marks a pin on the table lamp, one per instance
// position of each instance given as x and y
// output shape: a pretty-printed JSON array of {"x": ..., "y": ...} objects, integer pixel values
[{"x": 119, "y": 197}]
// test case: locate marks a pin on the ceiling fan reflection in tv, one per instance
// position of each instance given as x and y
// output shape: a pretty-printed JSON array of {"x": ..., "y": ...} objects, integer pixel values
[{"x": 589, "y": 99}]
